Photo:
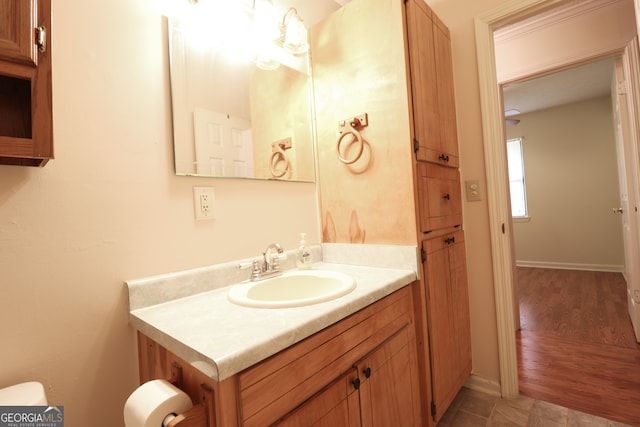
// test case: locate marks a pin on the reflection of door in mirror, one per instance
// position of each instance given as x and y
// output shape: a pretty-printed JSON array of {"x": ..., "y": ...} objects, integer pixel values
[{"x": 223, "y": 145}]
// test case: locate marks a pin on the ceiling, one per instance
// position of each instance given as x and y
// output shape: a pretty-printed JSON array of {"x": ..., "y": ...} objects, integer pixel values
[{"x": 576, "y": 84}]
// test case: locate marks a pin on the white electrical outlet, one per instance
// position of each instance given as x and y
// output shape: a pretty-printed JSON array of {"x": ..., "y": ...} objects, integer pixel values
[{"x": 203, "y": 202}]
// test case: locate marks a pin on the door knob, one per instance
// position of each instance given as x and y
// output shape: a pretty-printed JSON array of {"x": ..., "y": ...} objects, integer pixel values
[{"x": 617, "y": 210}]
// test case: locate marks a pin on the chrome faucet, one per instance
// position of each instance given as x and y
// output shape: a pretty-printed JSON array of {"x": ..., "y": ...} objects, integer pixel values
[{"x": 270, "y": 265}]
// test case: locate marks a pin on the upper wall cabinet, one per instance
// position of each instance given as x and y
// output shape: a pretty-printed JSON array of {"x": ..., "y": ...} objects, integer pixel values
[
  {"x": 431, "y": 71},
  {"x": 26, "y": 128}
]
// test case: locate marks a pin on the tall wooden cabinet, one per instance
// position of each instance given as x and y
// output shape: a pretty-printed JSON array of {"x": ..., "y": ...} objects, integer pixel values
[
  {"x": 439, "y": 204},
  {"x": 26, "y": 128}
]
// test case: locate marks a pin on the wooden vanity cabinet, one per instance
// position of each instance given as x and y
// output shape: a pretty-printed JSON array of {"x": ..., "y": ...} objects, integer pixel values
[
  {"x": 381, "y": 390},
  {"x": 445, "y": 274},
  {"x": 26, "y": 121},
  {"x": 376, "y": 350},
  {"x": 362, "y": 370}
]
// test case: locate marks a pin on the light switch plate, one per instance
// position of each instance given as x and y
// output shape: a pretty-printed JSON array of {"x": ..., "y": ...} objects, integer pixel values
[
  {"x": 473, "y": 190},
  {"x": 203, "y": 203}
]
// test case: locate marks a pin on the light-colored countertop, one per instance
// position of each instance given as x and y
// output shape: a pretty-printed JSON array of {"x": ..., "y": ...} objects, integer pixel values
[{"x": 221, "y": 338}]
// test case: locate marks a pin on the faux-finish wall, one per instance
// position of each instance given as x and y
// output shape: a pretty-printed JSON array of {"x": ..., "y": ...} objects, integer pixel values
[
  {"x": 358, "y": 62},
  {"x": 109, "y": 209}
]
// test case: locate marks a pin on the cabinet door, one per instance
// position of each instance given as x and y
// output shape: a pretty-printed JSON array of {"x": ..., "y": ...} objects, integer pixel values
[
  {"x": 336, "y": 405},
  {"x": 389, "y": 391},
  {"x": 446, "y": 95},
  {"x": 423, "y": 79},
  {"x": 460, "y": 301},
  {"x": 17, "y": 32},
  {"x": 432, "y": 93},
  {"x": 448, "y": 317}
]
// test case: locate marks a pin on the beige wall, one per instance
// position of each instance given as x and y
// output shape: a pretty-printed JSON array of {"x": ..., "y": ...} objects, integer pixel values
[
  {"x": 109, "y": 208},
  {"x": 572, "y": 183}
]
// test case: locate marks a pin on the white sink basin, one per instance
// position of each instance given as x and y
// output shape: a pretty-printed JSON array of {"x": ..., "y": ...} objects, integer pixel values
[{"x": 292, "y": 289}]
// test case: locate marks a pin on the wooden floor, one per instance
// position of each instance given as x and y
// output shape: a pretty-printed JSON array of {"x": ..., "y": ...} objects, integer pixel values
[{"x": 576, "y": 347}]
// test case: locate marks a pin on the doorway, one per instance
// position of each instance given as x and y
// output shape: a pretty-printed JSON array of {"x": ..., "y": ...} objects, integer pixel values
[
  {"x": 566, "y": 138},
  {"x": 495, "y": 159}
]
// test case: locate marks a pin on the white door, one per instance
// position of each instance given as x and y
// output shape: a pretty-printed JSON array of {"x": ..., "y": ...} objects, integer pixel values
[
  {"x": 223, "y": 144},
  {"x": 628, "y": 82}
]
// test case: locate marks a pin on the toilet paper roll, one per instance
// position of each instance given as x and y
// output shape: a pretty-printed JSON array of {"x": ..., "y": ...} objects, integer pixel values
[{"x": 150, "y": 403}]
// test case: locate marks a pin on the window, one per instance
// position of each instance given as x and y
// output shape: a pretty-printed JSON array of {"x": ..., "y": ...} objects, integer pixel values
[{"x": 516, "y": 178}]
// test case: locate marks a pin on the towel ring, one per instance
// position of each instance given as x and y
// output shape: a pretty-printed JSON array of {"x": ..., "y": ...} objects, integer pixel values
[
  {"x": 351, "y": 130},
  {"x": 278, "y": 156}
]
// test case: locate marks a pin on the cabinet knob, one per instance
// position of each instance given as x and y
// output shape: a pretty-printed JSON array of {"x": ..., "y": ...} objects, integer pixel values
[
  {"x": 443, "y": 157},
  {"x": 356, "y": 383},
  {"x": 447, "y": 196},
  {"x": 366, "y": 372},
  {"x": 450, "y": 240}
]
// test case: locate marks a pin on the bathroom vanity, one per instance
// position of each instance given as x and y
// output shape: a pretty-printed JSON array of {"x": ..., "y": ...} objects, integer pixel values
[{"x": 349, "y": 361}]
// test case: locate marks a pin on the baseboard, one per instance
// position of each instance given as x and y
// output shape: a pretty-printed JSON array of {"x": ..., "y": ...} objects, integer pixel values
[
  {"x": 571, "y": 266},
  {"x": 483, "y": 385}
]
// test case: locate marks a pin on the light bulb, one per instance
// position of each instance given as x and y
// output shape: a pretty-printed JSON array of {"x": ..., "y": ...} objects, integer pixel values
[{"x": 295, "y": 36}]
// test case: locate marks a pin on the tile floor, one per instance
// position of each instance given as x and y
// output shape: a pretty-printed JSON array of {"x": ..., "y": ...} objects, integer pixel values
[{"x": 474, "y": 409}]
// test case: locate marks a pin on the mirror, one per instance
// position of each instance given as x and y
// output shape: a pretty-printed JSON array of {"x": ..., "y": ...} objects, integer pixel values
[{"x": 230, "y": 117}]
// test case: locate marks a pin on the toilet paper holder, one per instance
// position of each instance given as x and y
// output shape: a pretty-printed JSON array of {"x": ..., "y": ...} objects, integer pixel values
[{"x": 202, "y": 414}]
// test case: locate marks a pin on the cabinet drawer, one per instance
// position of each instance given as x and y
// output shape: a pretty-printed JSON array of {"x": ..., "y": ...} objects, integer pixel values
[
  {"x": 276, "y": 386},
  {"x": 439, "y": 197},
  {"x": 437, "y": 243}
]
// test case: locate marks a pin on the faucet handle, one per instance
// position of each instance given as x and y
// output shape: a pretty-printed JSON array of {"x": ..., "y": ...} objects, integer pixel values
[
  {"x": 276, "y": 259},
  {"x": 275, "y": 263},
  {"x": 256, "y": 269}
]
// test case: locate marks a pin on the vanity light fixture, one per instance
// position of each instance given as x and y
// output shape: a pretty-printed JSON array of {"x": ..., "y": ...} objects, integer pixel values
[
  {"x": 294, "y": 39},
  {"x": 266, "y": 31}
]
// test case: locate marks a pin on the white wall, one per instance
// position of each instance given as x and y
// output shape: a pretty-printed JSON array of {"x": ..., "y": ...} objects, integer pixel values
[
  {"x": 572, "y": 185},
  {"x": 109, "y": 209}
]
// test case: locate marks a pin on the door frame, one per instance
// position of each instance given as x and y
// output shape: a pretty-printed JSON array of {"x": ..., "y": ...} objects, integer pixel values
[
  {"x": 631, "y": 77},
  {"x": 494, "y": 135}
]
